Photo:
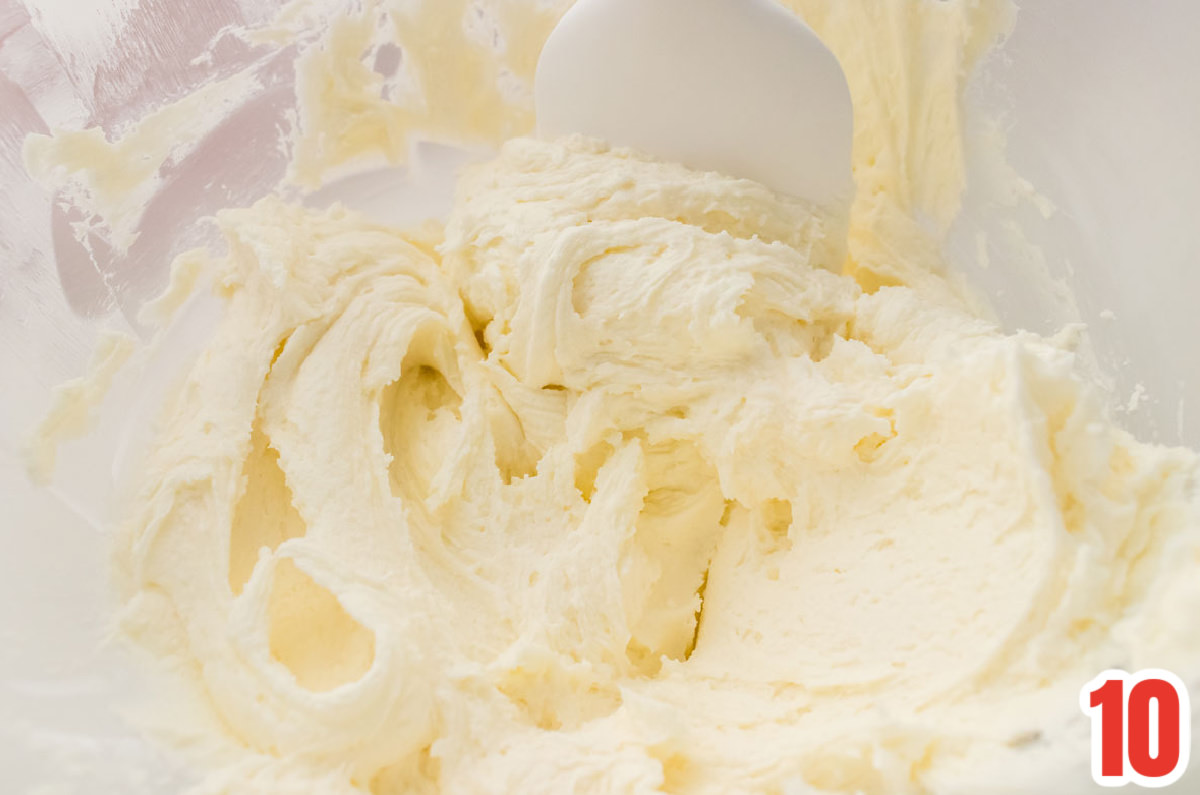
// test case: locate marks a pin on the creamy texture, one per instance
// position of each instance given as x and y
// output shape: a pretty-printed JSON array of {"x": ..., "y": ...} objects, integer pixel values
[
  {"x": 634, "y": 479},
  {"x": 698, "y": 515},
  {"x": 391, "y": 72}
]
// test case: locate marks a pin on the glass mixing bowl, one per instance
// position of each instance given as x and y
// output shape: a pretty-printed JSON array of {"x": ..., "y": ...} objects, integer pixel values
[{"x": 1097, "y": 97}]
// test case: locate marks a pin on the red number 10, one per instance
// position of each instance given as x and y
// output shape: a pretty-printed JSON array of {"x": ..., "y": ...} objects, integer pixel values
[{"x": 1141, "y": 727}]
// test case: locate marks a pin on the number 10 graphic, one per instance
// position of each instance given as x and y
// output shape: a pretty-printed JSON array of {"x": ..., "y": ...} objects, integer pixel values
[{"x": 1141, "y": 727}]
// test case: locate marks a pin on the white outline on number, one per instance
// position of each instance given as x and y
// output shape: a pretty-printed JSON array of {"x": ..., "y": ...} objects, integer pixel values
[{"x": 1130, "y": 681}]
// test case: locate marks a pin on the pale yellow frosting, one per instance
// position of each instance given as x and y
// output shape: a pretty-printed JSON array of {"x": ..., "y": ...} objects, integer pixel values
[
  {"x": 658, "y": 502},
  {"x": 636, "y": 479}
]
